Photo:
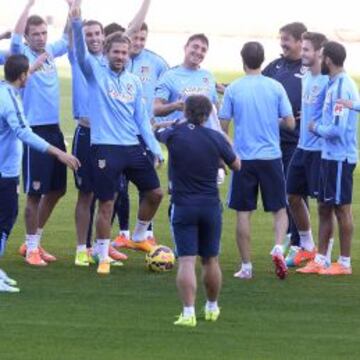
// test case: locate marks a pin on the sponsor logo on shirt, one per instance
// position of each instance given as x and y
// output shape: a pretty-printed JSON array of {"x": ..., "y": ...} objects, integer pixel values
[
  {"x": 127, "y": 96},
  {"x": 196, "y": 90}
]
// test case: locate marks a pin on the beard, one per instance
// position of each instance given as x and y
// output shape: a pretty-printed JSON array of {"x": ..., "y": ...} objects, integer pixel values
[{"x": 324, "y": 69}]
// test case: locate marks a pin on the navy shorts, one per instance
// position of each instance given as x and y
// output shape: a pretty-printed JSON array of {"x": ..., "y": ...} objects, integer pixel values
[
  {"x": 8, "y": 208},
  {"x": 336, "y": 182},
  {"x": 268, "y": 175},
  {"x": 287, "y": 152},
  {"x": 197, "y": 230},
  {"x": 109, "y": 162},
  {"x": 81, "y": 149},
  {"x": 303, "y": 173},
  {"x": 43, "y": 173}
]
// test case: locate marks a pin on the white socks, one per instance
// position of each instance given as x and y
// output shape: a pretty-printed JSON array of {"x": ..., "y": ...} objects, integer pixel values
[
  {"x": 139, "y": 233},
  {"x": 81, "y": 248},
  {"x": 103, "y": 248},
  {"x": 246, "y": 266},
  {"x": 306, "y": 240},
  {"x": 211, "y": 305},
  {"x": 32, "y": 242},
  {"x": 329, "y": 250},
  {"x": 344, "y": 261},
  {"x": 320, "y": 259},
  {"x": 277, "y": 250},
  {"x": 189, "y": 311}
]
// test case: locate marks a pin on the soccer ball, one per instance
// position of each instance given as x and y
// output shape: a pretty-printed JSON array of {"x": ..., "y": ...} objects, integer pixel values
[{"x": 160, "y": 259}]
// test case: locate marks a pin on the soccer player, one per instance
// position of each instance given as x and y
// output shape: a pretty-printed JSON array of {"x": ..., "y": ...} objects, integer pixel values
[
  {"x": 94, "y": 38},
  {"x": 149, "y": 67},
  {"x": 288, "y": 70},
  {"x": 117, "y": 113},
  {"x": 14, "y": 130},
  {"x": 338, "y": 129},
  {"x": 196, "y": 212},
  {"x": 256, "y": 103},
  {"x": 184, "y": 80},
  {"x": 44, "y": 176},
  {"x": 304, "y": 168}
]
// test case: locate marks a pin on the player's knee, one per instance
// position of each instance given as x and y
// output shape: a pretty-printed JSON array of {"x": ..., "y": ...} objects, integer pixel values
[
  {"x": 294, "y": 200},
  {"x": 105, "y": 209},
  {"x": 155, "y": 196}
]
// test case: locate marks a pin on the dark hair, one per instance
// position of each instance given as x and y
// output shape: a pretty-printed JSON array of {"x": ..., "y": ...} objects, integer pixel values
[
  {"x": 94, "y": 22},
  {"x": 113, "y": 28},
  {"x": 253, "y": 54},
  {"x": 15, "y": 65},
  {"x": 116, "y": 37},
  {"x": 317, "y": 40},
  {"x": 336, "y": 52},
  {"x": 295, "y": 29},
  {"x": 197, "y": 109},
  {"x": 202, "y": 37},
  {"x": 33, "y": 20}
]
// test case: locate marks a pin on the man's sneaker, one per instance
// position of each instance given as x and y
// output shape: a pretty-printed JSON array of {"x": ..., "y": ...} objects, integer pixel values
[
  {"x": 46, "y": 256},
  {"x": 152, "y": 240},
  {"x": 34, "y": 258},
  {"x": 91, "y": 259},
  {"x": 116, "y": 255},
  {"x": 212, "y": 315},
  {"x": 104, "y": 267},
  {"x": 6, "y": 279},
  {"x": 311, "y": 267},
  {"x": 244, "y": 274},
  {"x": 43, "y": 253},
  {"x": 290, "y": 257},
  {"x": 304, "y": 255},
  {"x": 122, "y": 241},
  {"x": 281, "y": 269},
  {"x": 4, "y": 287},
  {"x": 336, "y": 269},
  {"x": 82, "y": 258},
  {"x": 189, "y": 321},
  {"x": 144, "y": 245}
]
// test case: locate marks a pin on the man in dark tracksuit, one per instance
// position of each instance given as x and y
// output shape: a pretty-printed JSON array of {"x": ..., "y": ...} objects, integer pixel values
[{"x": 288, "y": 70}]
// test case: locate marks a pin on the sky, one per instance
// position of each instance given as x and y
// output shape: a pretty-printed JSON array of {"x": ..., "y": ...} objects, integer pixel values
[
  {"x": 232, "y": 17},
  {"x": 228, "y": 26}
]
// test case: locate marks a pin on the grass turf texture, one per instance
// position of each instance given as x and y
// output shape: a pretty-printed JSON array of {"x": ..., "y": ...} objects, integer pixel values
[{"x": 66, "y": 313}]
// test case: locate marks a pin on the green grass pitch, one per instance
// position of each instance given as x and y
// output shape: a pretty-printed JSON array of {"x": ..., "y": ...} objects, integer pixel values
[{"x": 69, "y": 313}]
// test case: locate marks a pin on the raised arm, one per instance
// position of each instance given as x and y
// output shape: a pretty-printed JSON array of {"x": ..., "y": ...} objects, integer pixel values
[
  {"x": 139, "y": 18},
  {"x": 21, "y": 23},
  {"x": 81, "y": 52},
  {"x": 5, "y": 35}
]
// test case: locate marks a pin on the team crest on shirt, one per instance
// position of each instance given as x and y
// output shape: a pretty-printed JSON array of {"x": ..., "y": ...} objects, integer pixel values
[
  {"x": 102, "y": 163},
  {"x": 338, "y": 110},
  {"x": 301, "y": 72},
  {"x": 206, "y": 80},
  {"x": 145, "y": 74},
  {"x": 36, "y": 185}
]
